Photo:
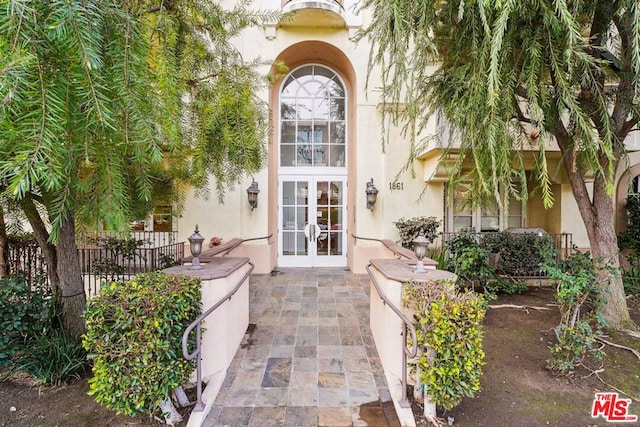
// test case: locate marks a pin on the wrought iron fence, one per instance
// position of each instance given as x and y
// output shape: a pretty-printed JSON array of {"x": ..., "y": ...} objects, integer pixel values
[
  {"x": 97, "y": 264},
  {"x": 26, "y": 258},
  {"x": 150, "y": 239}
]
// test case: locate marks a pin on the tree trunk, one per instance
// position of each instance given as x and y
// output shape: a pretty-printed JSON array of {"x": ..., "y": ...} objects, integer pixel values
[
  {"x": 181, "y": 397},
  {"x": 604, "y": 245},
  {"x": 598, "y": 219},
  {"x": 597, "y": 214},
  {"x": 429, "y": 408},
  {"x": 71, "y": 283},
  {"x": 41, "y": 235},
  {"x": 171, "y": 415},
  {"x": 417, "y": 386},
  {"x": 4, "y": 247}
]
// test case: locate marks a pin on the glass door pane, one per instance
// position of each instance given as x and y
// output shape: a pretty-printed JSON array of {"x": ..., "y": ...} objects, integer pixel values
[
  {"x": 295, "y": 217},
  {"x": 330, "y": 214}
]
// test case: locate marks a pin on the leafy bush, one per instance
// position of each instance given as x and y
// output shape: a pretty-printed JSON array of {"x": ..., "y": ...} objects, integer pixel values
[
  {"x": 449, "y": 332},
  {"x": 494, "y": 260},
  {"x": 134, "y": 332},
  {"x": 468, "y": 258},
  {"x": 410, "y": 228},
  {"x": 578, "y": 298},
  {"x": 519, "y": 255},
  {"x": 24, "y": 313}
]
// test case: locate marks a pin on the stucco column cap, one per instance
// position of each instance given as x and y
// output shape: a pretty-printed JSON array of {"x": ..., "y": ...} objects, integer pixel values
[
  {"x": 402, "y": 270},
  {"x": 215, "y": 268}
]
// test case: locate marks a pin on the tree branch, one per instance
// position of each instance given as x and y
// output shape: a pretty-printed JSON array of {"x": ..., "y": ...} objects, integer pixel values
[
  {"x": 168, "y": 5},
  {"x": 627, "y": 128},
  {"x": 193, "y": 82}
]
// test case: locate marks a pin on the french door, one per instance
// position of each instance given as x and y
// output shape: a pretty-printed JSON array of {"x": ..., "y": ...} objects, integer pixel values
[{"x": 312, "y": 214}]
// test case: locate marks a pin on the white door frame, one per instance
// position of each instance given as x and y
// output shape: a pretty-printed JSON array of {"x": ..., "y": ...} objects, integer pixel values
[{"x": 312, "y": 214}]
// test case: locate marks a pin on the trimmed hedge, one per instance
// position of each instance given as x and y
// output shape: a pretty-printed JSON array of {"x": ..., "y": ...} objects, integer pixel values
[
  {"x": 134, "y": 333},
  {"x": 449, "y": 330}
]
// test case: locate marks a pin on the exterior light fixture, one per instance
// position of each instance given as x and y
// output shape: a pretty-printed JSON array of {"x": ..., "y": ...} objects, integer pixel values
[
  {"x": 372, "y": 194},
  {"x": 252, "y": 194},
  {"x": 420, "y": 249},
  {"x": 195, "y": 245}
]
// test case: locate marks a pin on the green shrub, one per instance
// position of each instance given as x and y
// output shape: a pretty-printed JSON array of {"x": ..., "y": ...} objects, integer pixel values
[
  {"x": 468, "y": 259},
  {"x": 630, "y": 238},
  {"x": 449, "y": 323},
  {"x": 631, "y": 280},
  {"x": 24, "y": 313},
  {"x": 439, "y": 255},
  {"x": 410, "y": 228},
  {"x": 579, "y": 302},
  {"x": 134, "y": 333},
  {"x": 519, "y": 255},
  {"x": 495, "y": 260},
  {"x": 31, "y": 335},
  {"x": 53, "y": 358}
]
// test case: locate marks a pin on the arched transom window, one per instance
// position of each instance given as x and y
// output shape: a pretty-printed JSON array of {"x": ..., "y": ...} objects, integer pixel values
[{"x": 312, "y": 119}]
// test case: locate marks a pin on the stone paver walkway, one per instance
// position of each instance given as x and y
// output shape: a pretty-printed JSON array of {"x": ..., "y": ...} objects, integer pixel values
[{"x": 308, "y": 358}]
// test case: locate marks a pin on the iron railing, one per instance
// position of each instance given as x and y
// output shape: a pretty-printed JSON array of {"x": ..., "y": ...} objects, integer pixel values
[
  {"x": 149, "y": 239},
  {"x": 96, "y": 264},
  {"x": 406, "y": 324},
  {"x": 100, "y": 265},
  {"x": 196, "y": 324},
  {"x": 26, "y": 258}
]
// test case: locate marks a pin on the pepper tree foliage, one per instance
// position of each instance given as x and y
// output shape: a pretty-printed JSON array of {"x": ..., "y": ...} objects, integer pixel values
[
  {"x": 93, "y": 100},
  {"x": 510, "y": 80},
  {"x": 109, "y": 105}
]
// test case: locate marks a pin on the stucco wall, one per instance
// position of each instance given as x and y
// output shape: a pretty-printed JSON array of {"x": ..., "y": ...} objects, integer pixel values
[{"x": 414, "y": 197}]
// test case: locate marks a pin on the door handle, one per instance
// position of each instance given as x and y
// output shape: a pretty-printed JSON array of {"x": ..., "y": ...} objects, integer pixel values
[
  {"x": 312, "y": 232},
  {"x": 318, "y": 232}
]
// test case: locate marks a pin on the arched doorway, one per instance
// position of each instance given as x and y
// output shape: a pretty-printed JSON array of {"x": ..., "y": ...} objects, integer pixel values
[{"x": 312, "y": 168}]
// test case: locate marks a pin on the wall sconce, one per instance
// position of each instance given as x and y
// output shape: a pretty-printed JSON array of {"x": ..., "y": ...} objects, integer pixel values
[
  {"x": 252, "y": 194},
  {"x": 420, "y": 249},
  {"x": 195, "y": 246},
  {"x": 372, "y": 194}
]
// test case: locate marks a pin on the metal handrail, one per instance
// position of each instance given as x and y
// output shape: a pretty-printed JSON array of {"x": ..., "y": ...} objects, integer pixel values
[
  {"x": 382, "y": 242},
  {"x": 198, "y": 350},
  {"x": 404, "y": 402},
  {"x": 230, "y": 249},
  {"x": 257, "y": 238}
]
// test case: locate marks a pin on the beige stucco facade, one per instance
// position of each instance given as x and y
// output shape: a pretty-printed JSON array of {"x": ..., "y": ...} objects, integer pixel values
[{"x": 322, "y": 33}]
